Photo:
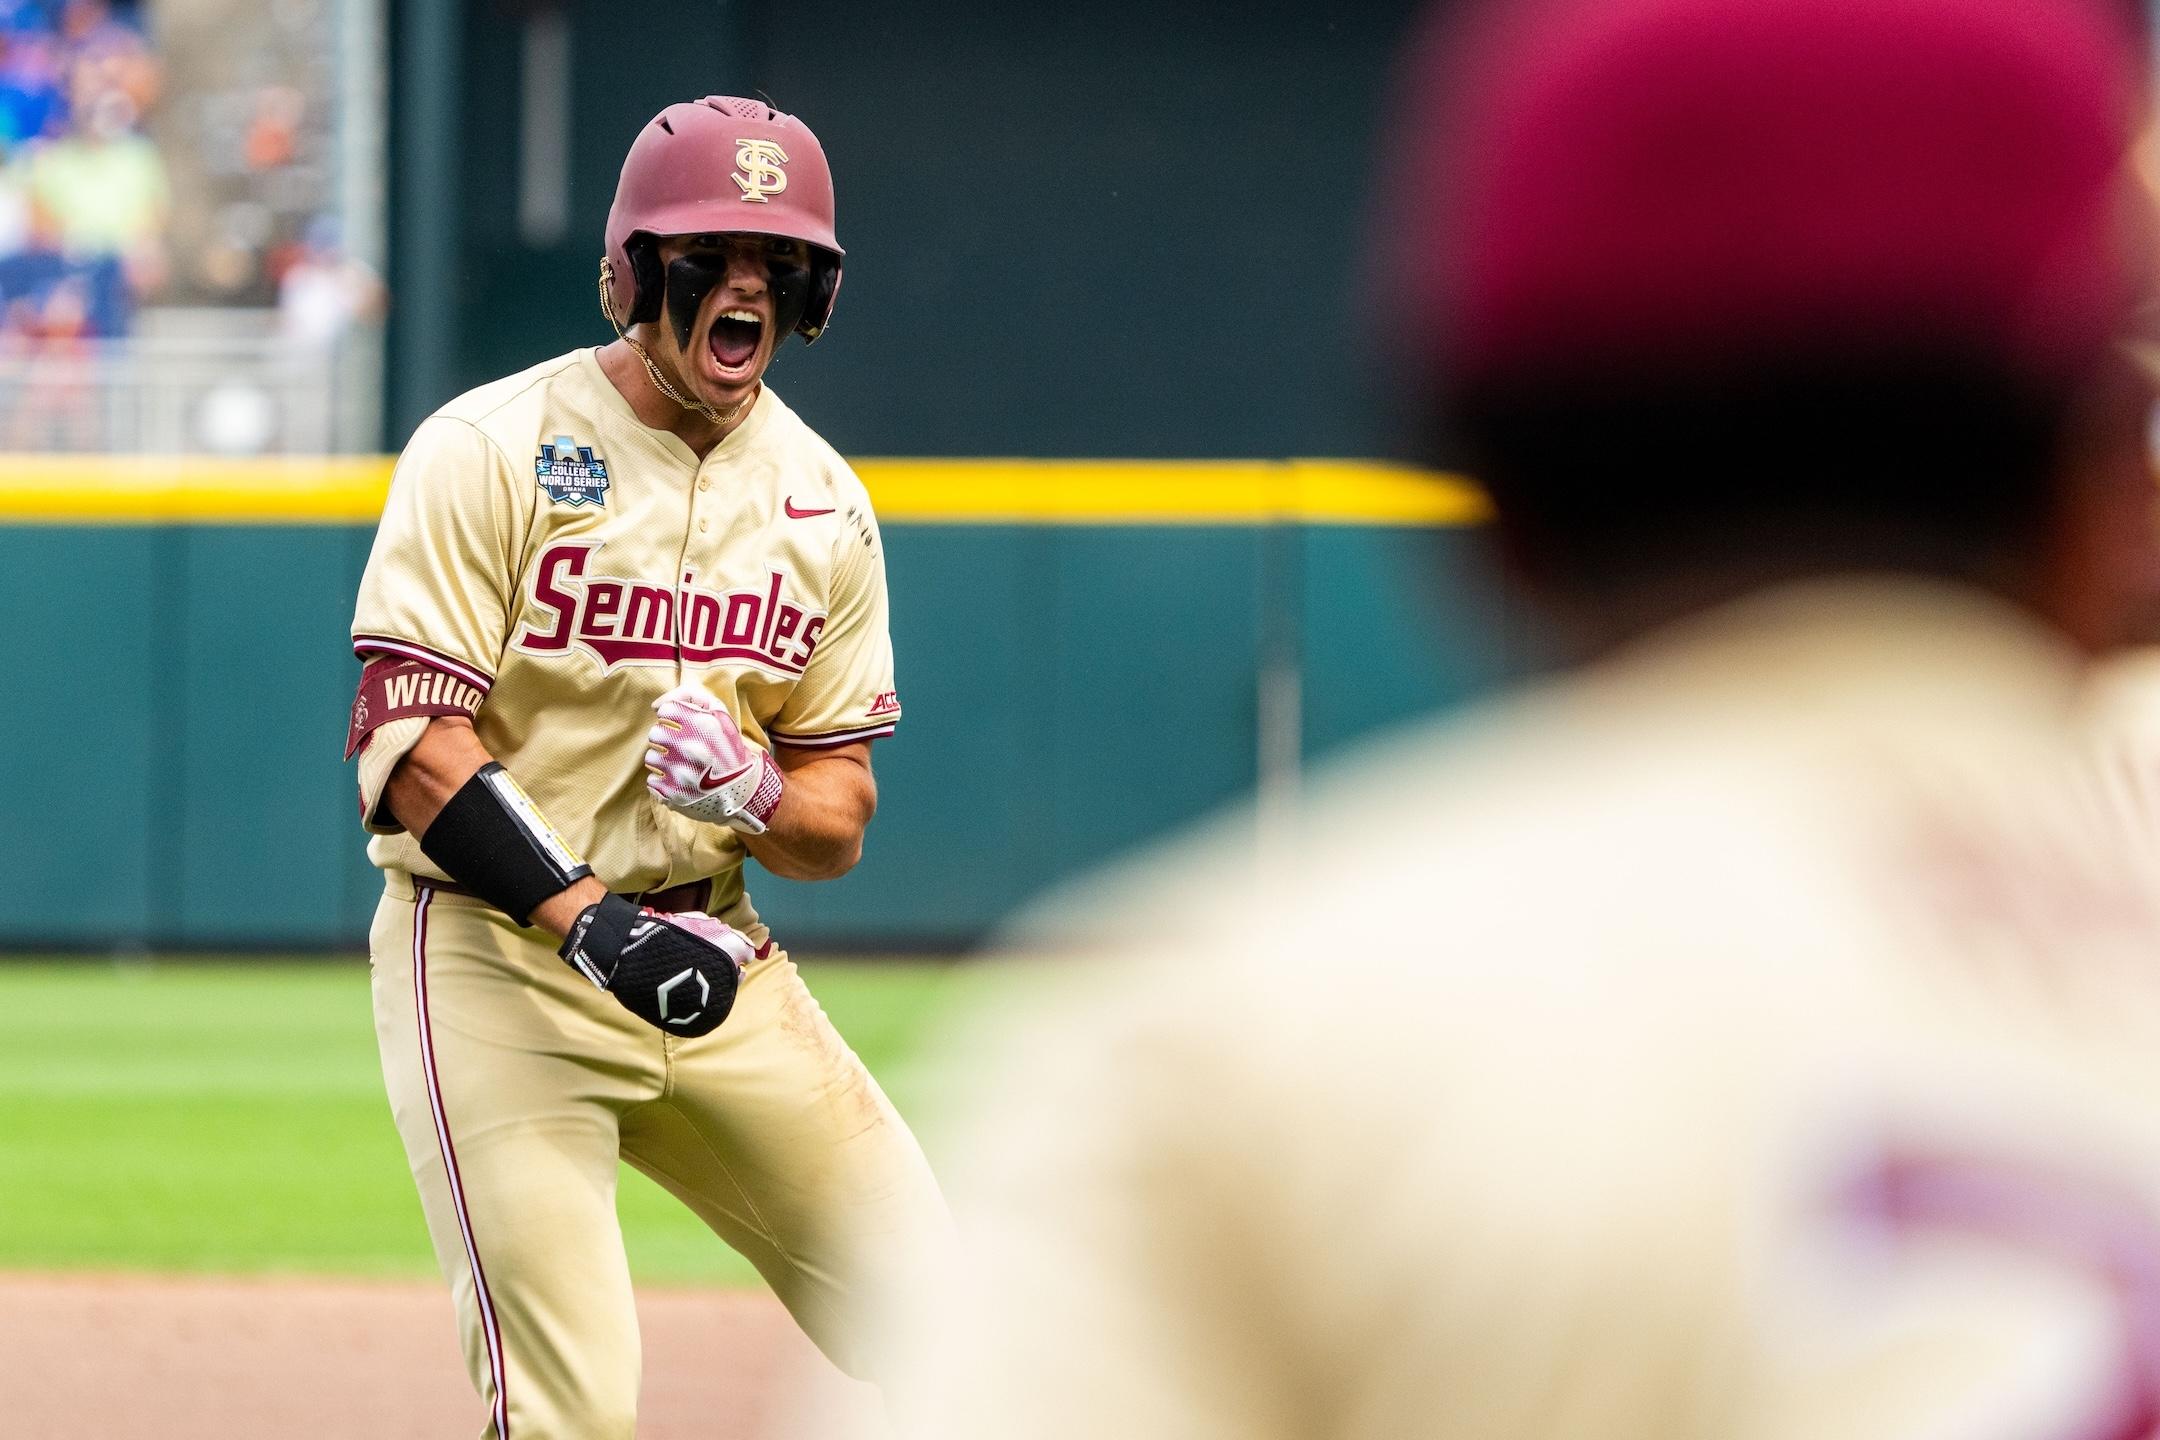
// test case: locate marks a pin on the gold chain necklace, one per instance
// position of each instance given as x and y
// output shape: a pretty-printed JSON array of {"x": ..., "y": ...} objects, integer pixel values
[{"x": 607, "y": 308}]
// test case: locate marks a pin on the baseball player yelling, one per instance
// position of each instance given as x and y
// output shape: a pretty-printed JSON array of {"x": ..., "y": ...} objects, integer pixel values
[{"x": 623, "y": 627}]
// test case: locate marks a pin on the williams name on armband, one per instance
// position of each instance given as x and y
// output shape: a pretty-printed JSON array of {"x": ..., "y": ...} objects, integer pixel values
[{"x": 393, "y": 687}]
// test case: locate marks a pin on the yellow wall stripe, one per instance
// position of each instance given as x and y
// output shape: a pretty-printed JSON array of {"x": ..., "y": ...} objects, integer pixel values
[
  {"x": 346, "y": 490},
  {"x": 157, "y": 490}
]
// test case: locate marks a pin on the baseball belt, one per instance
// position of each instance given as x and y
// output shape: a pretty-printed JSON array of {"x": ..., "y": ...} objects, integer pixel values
[{"x": 674, "y": 900}]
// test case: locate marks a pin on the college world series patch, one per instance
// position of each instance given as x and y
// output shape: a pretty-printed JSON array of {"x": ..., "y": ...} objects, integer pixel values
[{"x": 571, "y": 474}]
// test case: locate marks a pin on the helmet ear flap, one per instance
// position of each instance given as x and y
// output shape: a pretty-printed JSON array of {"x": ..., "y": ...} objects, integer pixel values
[
  {"x": 648, "y": 282},
  {"x": 824, "y": 294}
]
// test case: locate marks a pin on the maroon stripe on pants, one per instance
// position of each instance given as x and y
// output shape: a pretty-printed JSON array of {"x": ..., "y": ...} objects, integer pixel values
[{"x": 493, "y": 1332}]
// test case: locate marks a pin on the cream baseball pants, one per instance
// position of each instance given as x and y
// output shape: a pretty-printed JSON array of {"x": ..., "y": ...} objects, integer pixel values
[{"x": 517, "y": 1087}]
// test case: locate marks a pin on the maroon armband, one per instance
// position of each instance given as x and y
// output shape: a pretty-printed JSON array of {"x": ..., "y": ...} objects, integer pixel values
[{"x": 395, "y": 687}]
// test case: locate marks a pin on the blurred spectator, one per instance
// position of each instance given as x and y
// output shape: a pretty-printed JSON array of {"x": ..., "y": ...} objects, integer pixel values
[
  {"x": 107, "y": 54},
  {"x": 33, "y": 100},
  {"x": 15, "y": 209},
  {"x": 104, "y": 188},
  {"x": 92, "y": 32},
  {"x": 111, "y": 198},
  {"x": 46, "y": 296},
  {"x": 324, "y": 291},
  {"x": 50, "y": 308},
  {"x": 84, "y": 198},
  {"x": 273, "y": 133}
]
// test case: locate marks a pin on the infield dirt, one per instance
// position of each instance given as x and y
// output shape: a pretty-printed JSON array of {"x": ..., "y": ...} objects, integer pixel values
[{"x": 124, "y": 1357}]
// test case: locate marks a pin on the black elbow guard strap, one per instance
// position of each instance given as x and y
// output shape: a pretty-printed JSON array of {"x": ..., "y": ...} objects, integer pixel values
[{"x": 494, "y": 841}]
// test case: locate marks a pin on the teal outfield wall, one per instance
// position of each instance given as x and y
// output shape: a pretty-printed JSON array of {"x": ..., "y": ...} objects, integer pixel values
[{"x": 176, "y": 703}]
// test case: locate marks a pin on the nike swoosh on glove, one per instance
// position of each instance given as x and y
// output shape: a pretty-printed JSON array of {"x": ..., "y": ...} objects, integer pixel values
[{"x": 698, "y": 764}]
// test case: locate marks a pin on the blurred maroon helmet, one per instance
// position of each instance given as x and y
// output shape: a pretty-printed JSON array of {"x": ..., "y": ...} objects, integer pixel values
[
  {"x": 720, "y": 165},
  {"x": 1605, "y": 184}
]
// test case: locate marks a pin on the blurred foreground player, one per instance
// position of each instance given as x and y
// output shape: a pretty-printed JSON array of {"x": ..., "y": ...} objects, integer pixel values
[
  {"x": 1755, "y": 1032},
  {"x": 623, "y": 629}
]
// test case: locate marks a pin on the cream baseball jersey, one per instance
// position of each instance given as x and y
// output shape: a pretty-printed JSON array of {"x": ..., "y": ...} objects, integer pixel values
[
  {"x": 1752, "y": 1039},
  {"x": 550, "y": 565},
  {"x": 2123, "y": 702}
]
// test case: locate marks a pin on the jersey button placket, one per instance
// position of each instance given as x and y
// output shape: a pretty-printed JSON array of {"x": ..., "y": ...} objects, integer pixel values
[{"x": 694, "y": 556}]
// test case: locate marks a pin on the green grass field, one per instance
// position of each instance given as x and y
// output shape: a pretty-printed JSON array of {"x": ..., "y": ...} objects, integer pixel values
[{"x": 230, "y": 1117}]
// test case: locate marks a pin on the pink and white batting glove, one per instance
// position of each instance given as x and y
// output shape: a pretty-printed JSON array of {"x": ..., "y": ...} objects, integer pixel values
[
  {"x": 698, "y": 764},
  {"x": 713, "y": 931}
]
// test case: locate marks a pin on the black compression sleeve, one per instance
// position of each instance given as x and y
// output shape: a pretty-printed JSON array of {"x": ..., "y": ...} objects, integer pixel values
[{"x": 492, "y": 840}]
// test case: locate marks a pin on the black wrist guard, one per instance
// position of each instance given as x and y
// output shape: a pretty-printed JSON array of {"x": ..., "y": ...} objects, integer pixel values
[
  {"x": 492, "y": 840},
  {"x": 668, "y": 977}
]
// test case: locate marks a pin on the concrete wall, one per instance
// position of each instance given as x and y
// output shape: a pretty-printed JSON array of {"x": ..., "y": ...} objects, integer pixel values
[{"x": 177, "y": 696}]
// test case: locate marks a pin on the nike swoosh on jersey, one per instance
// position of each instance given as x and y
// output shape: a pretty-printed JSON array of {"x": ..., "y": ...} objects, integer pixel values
[{"x": 794, "y": 514}]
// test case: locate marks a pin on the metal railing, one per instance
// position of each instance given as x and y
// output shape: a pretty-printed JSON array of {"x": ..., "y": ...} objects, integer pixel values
[{"x": 229, "y": 388}]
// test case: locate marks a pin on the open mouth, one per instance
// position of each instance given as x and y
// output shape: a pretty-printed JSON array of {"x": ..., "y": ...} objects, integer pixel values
[{"x": 734, "y": 342}]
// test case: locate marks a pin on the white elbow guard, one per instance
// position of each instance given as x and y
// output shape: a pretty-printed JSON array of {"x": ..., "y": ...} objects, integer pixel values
[{"x": 379, "y": 755}]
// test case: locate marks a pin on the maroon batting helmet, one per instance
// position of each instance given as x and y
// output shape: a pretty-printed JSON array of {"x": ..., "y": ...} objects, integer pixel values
[{"x": 721, "y": 165}]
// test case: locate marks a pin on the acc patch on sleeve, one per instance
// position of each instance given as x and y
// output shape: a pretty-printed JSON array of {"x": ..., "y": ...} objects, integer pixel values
[{"x": 394, "y": 687}]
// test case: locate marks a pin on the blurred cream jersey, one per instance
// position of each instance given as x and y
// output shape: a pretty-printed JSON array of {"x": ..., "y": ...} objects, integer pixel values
[
  {"x": 2124, "y": 703},
  {"x": 573, "y": 564},
  {"x": 1757, "y": 1035}
]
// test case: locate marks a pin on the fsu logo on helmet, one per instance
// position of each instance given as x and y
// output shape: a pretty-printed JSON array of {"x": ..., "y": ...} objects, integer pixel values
[{"x": 757, "y": 168}]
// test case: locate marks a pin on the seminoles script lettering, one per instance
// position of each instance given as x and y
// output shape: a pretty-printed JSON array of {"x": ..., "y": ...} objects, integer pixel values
[{"x": 626, "y": 623}]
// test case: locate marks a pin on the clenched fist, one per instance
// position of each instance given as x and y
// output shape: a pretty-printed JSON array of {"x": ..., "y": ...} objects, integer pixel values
[
  {"x": 699, "y": 765},
  {"x": 677, "y": 973}
]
